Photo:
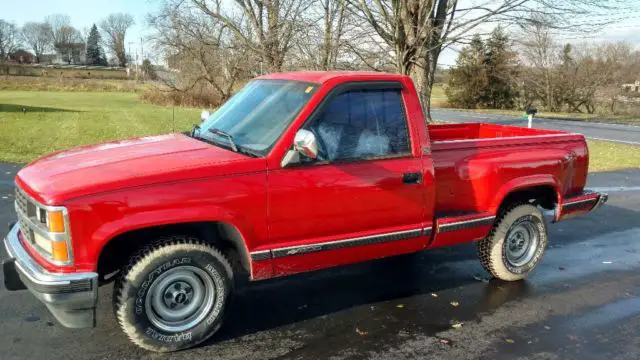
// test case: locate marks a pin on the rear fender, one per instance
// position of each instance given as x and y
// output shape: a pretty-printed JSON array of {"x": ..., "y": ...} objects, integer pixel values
[{"x": 523, "y": 183}]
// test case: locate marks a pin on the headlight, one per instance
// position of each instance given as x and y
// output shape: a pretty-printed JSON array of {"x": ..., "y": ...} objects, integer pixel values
[
  {"x": 54, "y": 223},
  {"x": 53, "y": 220},
  {"x": 56, "y": 250},
  {"x": 46, "y": 228}
]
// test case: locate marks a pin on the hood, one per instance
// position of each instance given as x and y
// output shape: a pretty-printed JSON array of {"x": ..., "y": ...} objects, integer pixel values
[{"x": 116, "y": 165}]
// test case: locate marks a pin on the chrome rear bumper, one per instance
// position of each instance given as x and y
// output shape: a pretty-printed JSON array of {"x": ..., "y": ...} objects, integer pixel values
[{"x": 580, "y": 204}]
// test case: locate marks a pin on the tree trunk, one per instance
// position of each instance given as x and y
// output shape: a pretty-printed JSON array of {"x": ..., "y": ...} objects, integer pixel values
[
  {"x": 326, "y": 45},
  {"x": 425, "y": 76}
]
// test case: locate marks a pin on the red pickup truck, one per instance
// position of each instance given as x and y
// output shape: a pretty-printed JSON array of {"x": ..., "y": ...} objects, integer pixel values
[{"x": 297, "y": 172}]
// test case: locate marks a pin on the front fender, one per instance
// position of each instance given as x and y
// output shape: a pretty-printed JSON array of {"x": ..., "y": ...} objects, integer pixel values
[{"x": 239, "y": 202}]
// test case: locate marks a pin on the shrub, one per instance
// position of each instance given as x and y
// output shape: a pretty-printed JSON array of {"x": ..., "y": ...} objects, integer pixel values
[{"x": 196, "y": 97}]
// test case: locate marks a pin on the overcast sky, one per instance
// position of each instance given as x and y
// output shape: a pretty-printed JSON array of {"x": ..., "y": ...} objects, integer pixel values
[{"x": 84, "y": 13}]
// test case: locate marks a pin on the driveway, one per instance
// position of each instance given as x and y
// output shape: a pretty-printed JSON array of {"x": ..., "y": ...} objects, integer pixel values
[{"x": 582, "y": 302}]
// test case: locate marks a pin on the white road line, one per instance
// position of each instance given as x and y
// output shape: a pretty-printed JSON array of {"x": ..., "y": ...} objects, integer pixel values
[
  {"x": 612, "y": 140},
  {"x": 615, "y": 188}
]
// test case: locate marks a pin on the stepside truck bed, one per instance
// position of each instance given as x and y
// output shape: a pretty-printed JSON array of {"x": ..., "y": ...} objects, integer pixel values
[
  {"x": 482, "y": 134},
  {"x": 476, "y": 164}
]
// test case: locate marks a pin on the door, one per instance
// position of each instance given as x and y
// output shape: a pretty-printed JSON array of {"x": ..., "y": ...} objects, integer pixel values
[{"x": 363, "y": 198}]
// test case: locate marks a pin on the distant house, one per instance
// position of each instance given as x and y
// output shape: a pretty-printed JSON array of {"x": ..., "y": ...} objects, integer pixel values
[
  {"x": 635, "y": 87},
  {"x": 70, "y": 53},
  {"x": 48, "y": 58},
  {"x": 22, "y": 57}
]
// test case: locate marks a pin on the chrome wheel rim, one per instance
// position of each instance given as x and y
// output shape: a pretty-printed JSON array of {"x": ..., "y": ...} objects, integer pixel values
[
  {"x": 521, "y": 243},
  {"x": 180, "y": 298}
]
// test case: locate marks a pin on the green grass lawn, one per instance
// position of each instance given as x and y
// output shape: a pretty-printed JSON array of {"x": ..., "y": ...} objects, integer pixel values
[
  {"x": 610, "y": 156},
  {"x": 60, "y": 120},
  {"x": 438, "y": 97}
]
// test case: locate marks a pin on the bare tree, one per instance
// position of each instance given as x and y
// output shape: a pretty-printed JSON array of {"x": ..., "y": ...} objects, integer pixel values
[
  {"x": 8, "y": 39},
  {"x": 323, "y": 43},
  {"x": 64, "y": 38},
  {"x": 202, "y": 47},
  {"x": 59, "y": 26},
  {"x": 115, "y": 28},
  {"x": 539, "y": 53},
  {"x": 418, "y": 30},
  {"x": 334, "y": 16},
  {"x": 266, "y": 27},
  {"x": 37, "y": 36}
]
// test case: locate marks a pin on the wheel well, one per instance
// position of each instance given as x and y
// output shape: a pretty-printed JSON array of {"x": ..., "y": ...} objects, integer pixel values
[
  {"x": 543, "y": 195},
  {"x": 224, "y": 236}
]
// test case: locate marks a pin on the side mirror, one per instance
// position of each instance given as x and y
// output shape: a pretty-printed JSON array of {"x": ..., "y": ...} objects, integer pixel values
[
  {"x": 204, "y": 115},
  {"x": 306, "y": 144}
]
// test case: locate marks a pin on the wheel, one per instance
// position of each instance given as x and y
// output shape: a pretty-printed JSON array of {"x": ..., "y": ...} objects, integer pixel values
[
  {"x": 173, "y": 294},
  {"x": 516, "y": 243}
]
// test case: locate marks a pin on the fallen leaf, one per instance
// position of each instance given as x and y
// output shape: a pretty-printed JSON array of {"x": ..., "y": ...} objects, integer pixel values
[
  {"x": 510, "y": 341},
  {"x": 400, "y": 306},
  {"x": 456, "y": 325},
  {"x": 444, "y": 341},
  {"x": 480, "y": 278},
  {"x": 607, "y": 262},
  {"x": 361, "y": 333},
  {"x": 454, "y": 303},
  {"x": 547, "y": 327},
  {"x": 434, "y": 295}
]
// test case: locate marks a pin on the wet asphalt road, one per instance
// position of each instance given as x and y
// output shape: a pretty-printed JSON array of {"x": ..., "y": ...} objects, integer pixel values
[
  {"x": 613, "y": 132},
  {"x": 582, "y": 302}
]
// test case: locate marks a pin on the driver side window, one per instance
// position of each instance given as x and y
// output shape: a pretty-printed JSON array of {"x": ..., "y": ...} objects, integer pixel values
[{"x": 362, "y": 124}]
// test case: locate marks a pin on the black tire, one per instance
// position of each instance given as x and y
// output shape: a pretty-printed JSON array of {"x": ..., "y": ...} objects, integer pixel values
[
  {"x": 498, "y": 251},
  {"x": 173, "y": 274}
]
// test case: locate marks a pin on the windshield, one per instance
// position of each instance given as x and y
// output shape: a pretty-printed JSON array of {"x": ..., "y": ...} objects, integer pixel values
[{"x": 257, "y": 115}]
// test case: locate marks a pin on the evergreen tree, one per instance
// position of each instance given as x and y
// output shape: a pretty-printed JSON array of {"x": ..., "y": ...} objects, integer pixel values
[
  {"x": 501, "y": 66},
  {"x": 148, "y": 72},
  {"x": 468, "y": 79},
  {"x": 485, "y": 74},
  {"x": 95, "y": 54}
]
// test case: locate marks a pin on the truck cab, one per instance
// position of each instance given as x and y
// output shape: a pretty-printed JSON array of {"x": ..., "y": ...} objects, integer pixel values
[{"x": 297, "y": 172}]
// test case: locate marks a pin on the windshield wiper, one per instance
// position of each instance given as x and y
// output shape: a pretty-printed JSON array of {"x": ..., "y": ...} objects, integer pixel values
[{"x": 227, "y": 135}]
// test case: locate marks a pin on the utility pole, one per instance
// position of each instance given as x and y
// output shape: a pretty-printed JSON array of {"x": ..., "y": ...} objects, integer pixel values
[
  {"x": 136, "y": 64},
  {"x": 129, "y": 52},
  {"x": 141, "y": 58}
]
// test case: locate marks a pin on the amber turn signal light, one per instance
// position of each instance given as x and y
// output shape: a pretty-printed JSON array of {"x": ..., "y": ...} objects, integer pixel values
[
  {"x": 56, "y": 221},
  {"x": 59, "y": 251}
]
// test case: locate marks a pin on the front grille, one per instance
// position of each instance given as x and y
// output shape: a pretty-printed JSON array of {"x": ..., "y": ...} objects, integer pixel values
[
  {"x": 25, "y": 208},
  {"x": 27, "y": 233},
  {"x": 22, "y": 203}
]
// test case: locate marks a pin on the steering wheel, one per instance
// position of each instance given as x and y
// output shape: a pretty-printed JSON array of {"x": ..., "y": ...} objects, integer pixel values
[{"x": 322, "y": 155}]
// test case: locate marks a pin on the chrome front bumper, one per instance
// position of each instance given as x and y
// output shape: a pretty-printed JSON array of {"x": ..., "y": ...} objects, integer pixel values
[{"x": 71, "y": 298}]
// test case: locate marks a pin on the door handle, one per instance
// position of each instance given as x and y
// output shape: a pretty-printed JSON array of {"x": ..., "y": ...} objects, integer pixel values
[{"x": 412, "y": 178}]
